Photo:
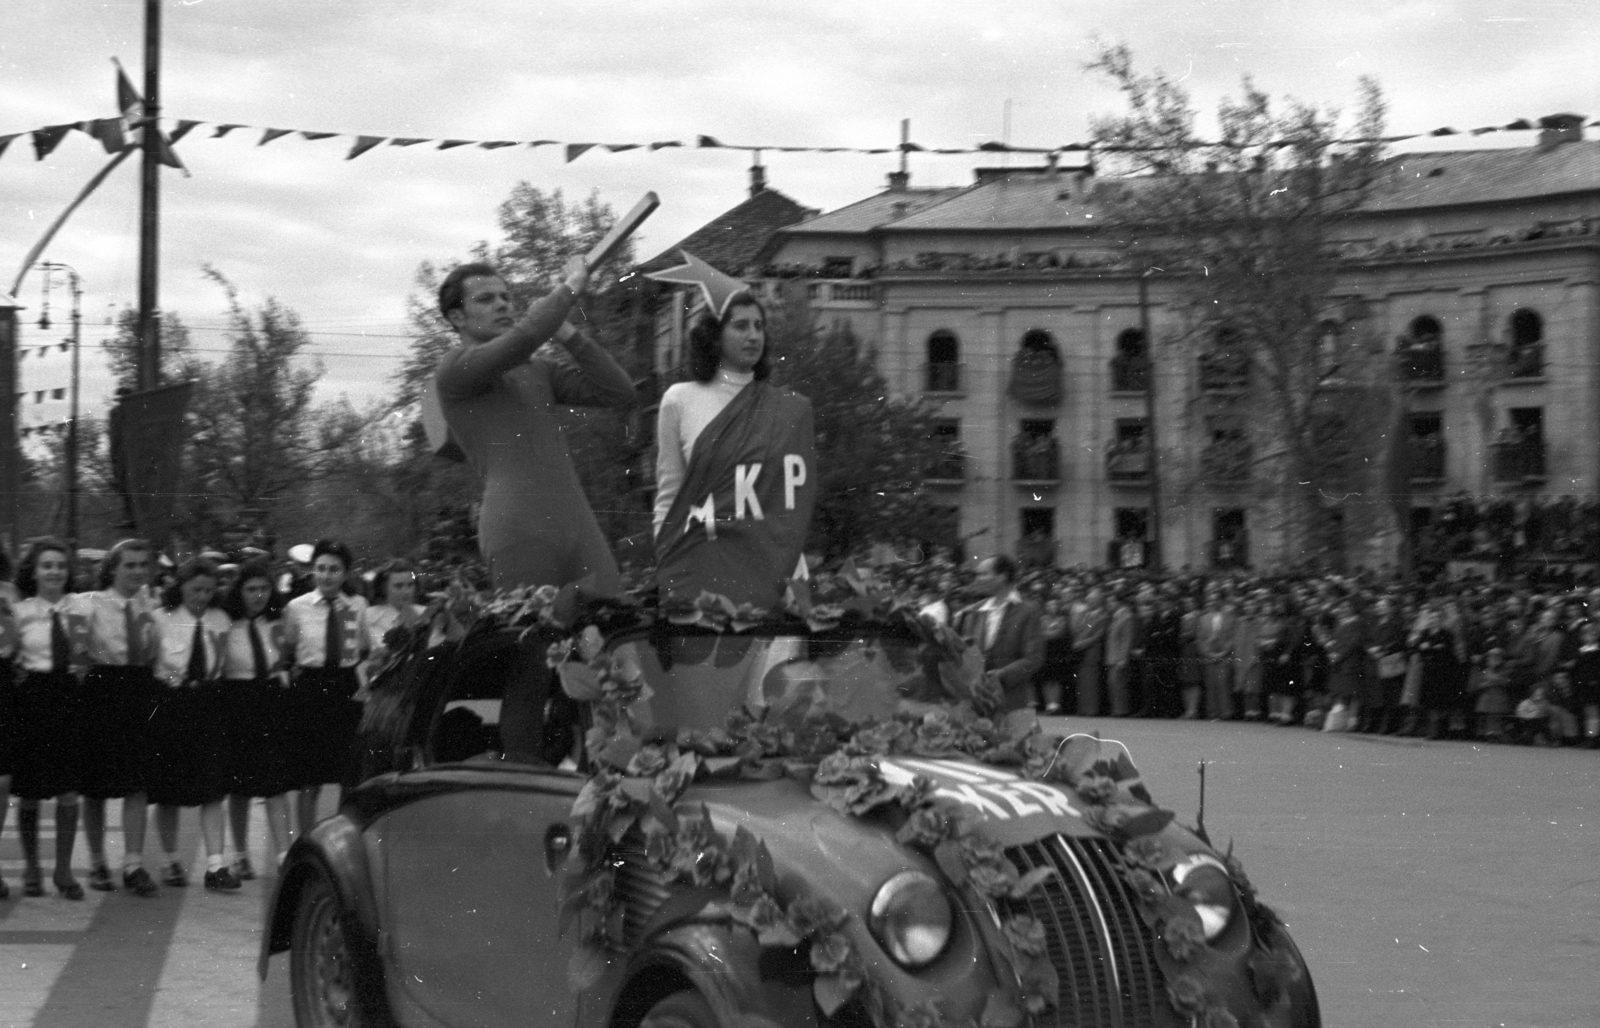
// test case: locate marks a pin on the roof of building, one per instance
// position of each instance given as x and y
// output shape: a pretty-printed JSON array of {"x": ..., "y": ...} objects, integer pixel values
[
  {"x": 1026, "y": 200},
  {"x": 738, "y": 238},
  {"x": 1451, "y": 177},
  {"x": 886, "y": 207}
]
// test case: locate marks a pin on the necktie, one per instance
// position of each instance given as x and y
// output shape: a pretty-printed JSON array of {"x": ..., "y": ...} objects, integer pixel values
[
  {"x": 333, "y": 644},
  {"x": 197, "y": 655},
  {"x": 60, "y": 649},
  {"x": 131, "y": 627},
  {"x": 258, "y": 652}
]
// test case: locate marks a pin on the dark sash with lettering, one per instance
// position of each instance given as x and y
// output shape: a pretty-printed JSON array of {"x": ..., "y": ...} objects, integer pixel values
[{"x": 738, "y": 525}]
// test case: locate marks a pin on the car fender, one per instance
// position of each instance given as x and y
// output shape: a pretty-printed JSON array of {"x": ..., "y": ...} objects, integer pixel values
[
  {"x": 333, "y": 848},
  {"x": 723, "y": 963}
]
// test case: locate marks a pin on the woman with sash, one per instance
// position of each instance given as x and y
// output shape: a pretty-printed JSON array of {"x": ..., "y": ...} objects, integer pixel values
[
  {"x": 118, "y": 699},
  {"x": 320, "y": 631},
  {"x": 186, "y": 731},
  {"x": 255, "y": 708},
  {"x": 44, "y": 711},
  {"x": 733, "y": 455}
]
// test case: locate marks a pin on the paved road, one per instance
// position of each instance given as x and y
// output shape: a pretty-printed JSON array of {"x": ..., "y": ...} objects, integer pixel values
[{"x": 1429, "y": 884}]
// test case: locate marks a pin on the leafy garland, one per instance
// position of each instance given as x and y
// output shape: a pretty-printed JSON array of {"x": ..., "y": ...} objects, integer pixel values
[{"x": 636, "y": 784}]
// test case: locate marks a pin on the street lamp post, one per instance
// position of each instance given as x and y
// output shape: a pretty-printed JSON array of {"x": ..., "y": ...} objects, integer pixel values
[
  {"x": 1155, "y": 558},
  {"x": 76, "y": 285}
]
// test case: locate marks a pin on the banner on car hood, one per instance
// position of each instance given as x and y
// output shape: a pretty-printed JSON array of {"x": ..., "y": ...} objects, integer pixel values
[{"x": 1014, "y": 809}]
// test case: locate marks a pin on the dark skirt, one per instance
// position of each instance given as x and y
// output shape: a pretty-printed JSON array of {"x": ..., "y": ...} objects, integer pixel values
[
  {"x": 323, "y": 722},
  {"x": 44, "y": 712},
  {"x": 256, "y": 730},
  {"x": 185, "y": 765},
  {"x": 117, "y": 704}
]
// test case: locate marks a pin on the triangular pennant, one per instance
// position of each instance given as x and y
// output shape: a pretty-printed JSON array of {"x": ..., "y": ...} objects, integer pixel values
[
  {"x": 108, "y": 131},
  {"x": 709, "y": 141},
  {"x": 495, "y": 144},
  {"x": 1445, "y": 131},
  {"x": 450, "y": 144},
  {"x": 664, "y": 144},
  {"x": 5, "y": 141},
  {"x": 270, "y": 134},
  {"x": 222, "y": 130},
  {"x": 128, "y": 99},
  {"x": 576, "y": 150},
  {"x": 45, "y": 140},
  {"x": 542, "y": 142},
  {"x": 910, "y": 147},
  {"x": 619, "y": 147},
  {"x": 407, "y": 140},
  {"x": 185, "y": 126},
  {"x": 317, "y": 135},
  {"x": 362, "y": 145}
]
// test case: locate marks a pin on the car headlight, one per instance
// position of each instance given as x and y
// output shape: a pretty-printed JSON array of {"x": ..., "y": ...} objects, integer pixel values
[
  {"x": 1204, "y": 881},
  {"x": 911, "y": 918}
]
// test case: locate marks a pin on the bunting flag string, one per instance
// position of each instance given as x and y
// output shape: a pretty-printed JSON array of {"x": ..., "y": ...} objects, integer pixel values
[{"x": 115, "y": 134}]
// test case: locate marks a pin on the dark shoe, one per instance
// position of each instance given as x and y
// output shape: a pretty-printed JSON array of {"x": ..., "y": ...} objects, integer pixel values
[
  {"x": 67, "y": 886},
  {"x": 174, "y": 875},
  {"x": 221, "y": 880},
  {"x": 139, "y": 882},
  {"x": 100, "y": 879},
  {"x": 33, "y": 882},
  {"x": 243, "y": 870}
]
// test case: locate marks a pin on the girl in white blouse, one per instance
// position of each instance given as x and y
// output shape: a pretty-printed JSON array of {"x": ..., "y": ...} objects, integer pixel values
[
  {"x": 325, "y": 712},
  {"x": 256, "y": 712},
  {"x": 186, "y": 742}
]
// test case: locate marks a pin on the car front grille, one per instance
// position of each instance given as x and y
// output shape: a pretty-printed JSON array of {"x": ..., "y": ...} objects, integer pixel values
[
  {"x": 1101, "y": 949},
  {"x": 640, "y": 888}
]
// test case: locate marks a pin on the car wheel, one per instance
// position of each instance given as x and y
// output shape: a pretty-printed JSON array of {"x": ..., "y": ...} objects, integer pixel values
[
  {"x": 329, "y": 981},
  {"x": 681, "y": 1010}
]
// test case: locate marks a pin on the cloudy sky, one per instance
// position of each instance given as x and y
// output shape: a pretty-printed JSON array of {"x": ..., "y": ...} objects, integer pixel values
[{"x": 340, "y": 240}]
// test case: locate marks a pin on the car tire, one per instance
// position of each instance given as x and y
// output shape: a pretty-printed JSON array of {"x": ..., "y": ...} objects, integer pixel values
[
  {"x": 333, "y": 984},
  {"x": 686, "y": 1009}
]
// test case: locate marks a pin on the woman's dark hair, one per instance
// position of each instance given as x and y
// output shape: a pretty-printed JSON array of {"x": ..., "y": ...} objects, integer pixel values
[
  {"x": 705, "y": 341},
  {"x": 452, "y": 292},
  {"x": 249, "y": 571},
  {"x": 113, "y": 558},
  {"x": 28, "y": 570},
  {"x": 194, "y": 567},
  {"x": 380, "y": 581},
  {"x": 334, "y": 548}
]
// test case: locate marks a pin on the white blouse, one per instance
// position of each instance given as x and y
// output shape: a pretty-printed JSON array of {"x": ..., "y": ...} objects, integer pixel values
[
  {"x": 686, "y": 409},
  {"x": 306, "y": 626},
  {"x": 174, "y": 631}
]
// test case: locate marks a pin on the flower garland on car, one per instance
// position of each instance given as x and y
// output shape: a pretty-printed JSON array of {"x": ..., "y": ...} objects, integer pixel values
[{"x": 637, "y": 782}]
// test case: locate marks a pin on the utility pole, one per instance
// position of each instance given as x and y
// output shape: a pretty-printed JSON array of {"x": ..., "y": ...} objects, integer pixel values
[
  {"x": 71, "y": 470},
  {"x": 1154, "y": 558},
  {"x": 10, "y": 456},
  {"x": 149, "y": 324}
]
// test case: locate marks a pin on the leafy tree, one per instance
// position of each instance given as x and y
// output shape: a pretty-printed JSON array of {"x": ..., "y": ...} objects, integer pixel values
[
  {"x": 872, "y": 447},
  {"x": 1243, "y": 227},
  {"x": 178, "y": 358}
]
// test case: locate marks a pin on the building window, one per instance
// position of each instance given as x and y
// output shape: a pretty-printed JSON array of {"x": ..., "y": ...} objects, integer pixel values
[
  {"x": 1226, "y": 366},
  {"x": 1128, "y": 456},
  {"x": 1519, "y": 449},
  {"x": 1035, "y": 452},
  {"x": 1131, "y": 526},
  {"x": 1130, "y": 368},
  {"x": 949, "y": 462},
  {"x": 1425, "y": 454},
  {"x": 1036, "y": 369},
  {"x": 1420, "y": 352},
  {"x": 1230, "y": 542},
  {"x": 1037, "y": 547},
  {"x": 1527, "y": 344},
  {"x": 944, "y": 363}
]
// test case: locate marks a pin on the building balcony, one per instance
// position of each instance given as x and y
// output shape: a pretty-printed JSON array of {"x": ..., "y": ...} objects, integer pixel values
[
  {"x": 1426, "y": 460},
  {"x": 948, "y": 469},
  {"x": 1128, "y": 465},
  {"x": 852, "y": 293},
  {"x": 1036, "y": 461},
  {"x": 946, "y": 378},
  {"x": 1225, "y": 463},
  {"x": 1519, "y": 462},
  {"x": 1224, "y": 373},
  {"x": 1129, "y": 374},
  {"x": 1525, "y": 361},
  {"x": 1420, "y": 367}
]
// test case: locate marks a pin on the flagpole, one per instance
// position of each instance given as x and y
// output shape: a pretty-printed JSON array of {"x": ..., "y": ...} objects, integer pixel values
[{"x": 149, "y": 327}]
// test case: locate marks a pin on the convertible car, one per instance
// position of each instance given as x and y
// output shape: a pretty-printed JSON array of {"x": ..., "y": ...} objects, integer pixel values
[{"x": 441, "y": 893}]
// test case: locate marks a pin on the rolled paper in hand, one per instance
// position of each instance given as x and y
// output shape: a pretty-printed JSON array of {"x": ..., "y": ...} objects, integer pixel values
[{"x": 625, "y": 227}]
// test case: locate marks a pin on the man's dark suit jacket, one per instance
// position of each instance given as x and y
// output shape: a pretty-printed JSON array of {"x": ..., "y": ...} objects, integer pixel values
[{"x": 1018, "y": 650}]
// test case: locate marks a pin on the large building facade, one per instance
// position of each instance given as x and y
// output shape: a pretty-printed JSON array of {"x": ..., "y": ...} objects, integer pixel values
[{"x": 1477, "y": 273}]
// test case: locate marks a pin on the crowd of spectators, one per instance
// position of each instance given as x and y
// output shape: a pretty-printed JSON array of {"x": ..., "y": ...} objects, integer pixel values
[
  {"x": 1502, "y": 528},
  {"x": 1515, "y": 661}
]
